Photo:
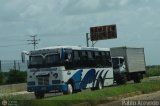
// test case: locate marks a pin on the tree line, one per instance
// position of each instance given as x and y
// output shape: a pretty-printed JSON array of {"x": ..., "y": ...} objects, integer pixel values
[{"x": 13, "y": 77}]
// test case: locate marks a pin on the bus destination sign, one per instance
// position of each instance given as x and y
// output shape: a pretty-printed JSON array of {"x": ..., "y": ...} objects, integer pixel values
[{"x": 103, "y": 32}]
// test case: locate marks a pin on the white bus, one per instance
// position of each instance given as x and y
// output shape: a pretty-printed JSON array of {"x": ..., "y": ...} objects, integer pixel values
[{"x": 68, "y": 69}]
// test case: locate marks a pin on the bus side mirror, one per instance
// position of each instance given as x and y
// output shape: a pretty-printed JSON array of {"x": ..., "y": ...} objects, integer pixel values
[{"x": 23, "y": 56}]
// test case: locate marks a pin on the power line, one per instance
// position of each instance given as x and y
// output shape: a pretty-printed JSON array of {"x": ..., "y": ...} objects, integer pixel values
[
  {"x": 13, "y": 45},
  {"x": 34, "y": 41}
]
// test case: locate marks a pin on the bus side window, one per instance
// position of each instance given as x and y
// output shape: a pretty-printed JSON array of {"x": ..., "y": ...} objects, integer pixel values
[
  {"x": 76, "y": 59},
  {"x": 101, "y": 60},
  {"x": 76, "y": 55},
  {"x": 68, "y": 57},
  {"x": 90, "y": 59},
  {"x": 68, "y": 60},
  {"x": 90, "y": 55},
  {"x": 108, "y": 59},
  {"x": 84, "y": 59},
  {"x": 97, "y": 59},
  {"x": 103, "y": 56}
]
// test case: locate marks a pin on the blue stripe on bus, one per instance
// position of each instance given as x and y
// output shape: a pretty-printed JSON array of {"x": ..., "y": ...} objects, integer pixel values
[
  {"x": 88, "y": 78},
  {"x": 47, "y": 88},
  {"x": 77, "y": 79}
]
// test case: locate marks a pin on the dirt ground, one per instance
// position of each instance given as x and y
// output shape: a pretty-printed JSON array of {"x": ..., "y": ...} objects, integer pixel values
[{"x": 152, "y": 99}]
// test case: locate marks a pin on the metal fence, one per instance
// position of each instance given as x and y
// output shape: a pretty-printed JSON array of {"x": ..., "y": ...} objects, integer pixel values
[{"x": 6, "y": 65}]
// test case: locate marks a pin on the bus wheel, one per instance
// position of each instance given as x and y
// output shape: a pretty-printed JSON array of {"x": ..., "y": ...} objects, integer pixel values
[
  {"x": 39, "y": 95},
  {"x": 93, "y": 88},
  {"x": 70, "y": 89},
  {"x": 100, "y": 84}
]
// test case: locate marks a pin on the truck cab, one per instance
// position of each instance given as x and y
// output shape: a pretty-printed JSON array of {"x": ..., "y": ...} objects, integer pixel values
[
  {"x": 119, "y": 69},
  {"x": 128, "y": 64},
  {"x": 118, "y": 64}
]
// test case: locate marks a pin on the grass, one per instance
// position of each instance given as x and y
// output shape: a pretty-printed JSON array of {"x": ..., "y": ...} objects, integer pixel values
[
  {"x": 145, "y": 87},
  {"x": 99, "y": 96},
  {"x": 152, "y": 71},
  {"x": 5, "y": 89}
]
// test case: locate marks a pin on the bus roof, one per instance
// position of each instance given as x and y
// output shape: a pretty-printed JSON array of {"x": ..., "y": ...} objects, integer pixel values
[{"x": 75, "y": 48}]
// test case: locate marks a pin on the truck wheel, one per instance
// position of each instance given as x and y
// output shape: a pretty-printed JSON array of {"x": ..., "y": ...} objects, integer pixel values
[
  {"x": 137, "y": 78},
  {"x": 39, "y": 95},
  {"x": 122, "y": 79}
]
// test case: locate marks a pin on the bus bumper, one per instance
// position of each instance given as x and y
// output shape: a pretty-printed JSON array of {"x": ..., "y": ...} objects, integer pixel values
[{"x": 48, "y": 88}]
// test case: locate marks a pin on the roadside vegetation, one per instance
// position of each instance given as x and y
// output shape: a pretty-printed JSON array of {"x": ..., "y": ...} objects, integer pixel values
[
  {"x": 1, "y": 77},
  {"x": 93, "y": 97},
  {"x": 152, "y": 71},
  {"x": 13, "y": 77}
]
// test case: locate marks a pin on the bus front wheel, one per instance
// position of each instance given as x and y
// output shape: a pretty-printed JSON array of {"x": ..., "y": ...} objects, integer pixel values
[
  {"x": 39, "y": 95},
  {"x": 70, "y": 89}
]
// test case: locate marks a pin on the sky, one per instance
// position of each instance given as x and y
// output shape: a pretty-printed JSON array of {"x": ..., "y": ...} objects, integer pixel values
[{"x": 66, "y": 22}]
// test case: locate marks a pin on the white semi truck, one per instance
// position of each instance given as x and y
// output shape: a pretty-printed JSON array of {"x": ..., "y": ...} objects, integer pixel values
[{"x": 128, "y": 64}]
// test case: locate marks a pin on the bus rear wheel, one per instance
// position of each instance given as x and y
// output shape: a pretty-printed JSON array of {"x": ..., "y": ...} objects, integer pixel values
[{"x": 100, "y": 84}]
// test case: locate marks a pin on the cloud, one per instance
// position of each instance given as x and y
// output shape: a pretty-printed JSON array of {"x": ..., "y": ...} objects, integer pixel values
[
  {"x": 65, "y": 22},
  {"x": 68, "y": 16}
]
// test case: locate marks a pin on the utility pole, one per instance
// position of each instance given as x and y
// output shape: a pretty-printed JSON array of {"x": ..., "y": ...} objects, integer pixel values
[
  {"x": 34, "y": 41},
  {"x": 87, "y": 39},
  {"x": 0, "y": 66}
]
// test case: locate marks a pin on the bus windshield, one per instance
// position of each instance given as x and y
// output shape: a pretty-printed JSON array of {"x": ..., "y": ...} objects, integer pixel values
[
  {"x": 47, "y": 61},
  {"x": 36, "y": 60},
  {"x": 52, "y": 59}
]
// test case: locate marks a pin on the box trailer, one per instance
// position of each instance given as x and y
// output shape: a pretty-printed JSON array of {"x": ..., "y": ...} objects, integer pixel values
[{"x": 128, "y": 63}]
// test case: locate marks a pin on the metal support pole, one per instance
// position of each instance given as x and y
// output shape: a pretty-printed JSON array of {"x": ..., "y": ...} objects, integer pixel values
[
  {"x": 14, "y": 64},
  {"x": 0, "y": 66},
  {"x": 19, "y": 68},
  {"x": 87, "y": 39},
  {"x": 93, "y": 43}
]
